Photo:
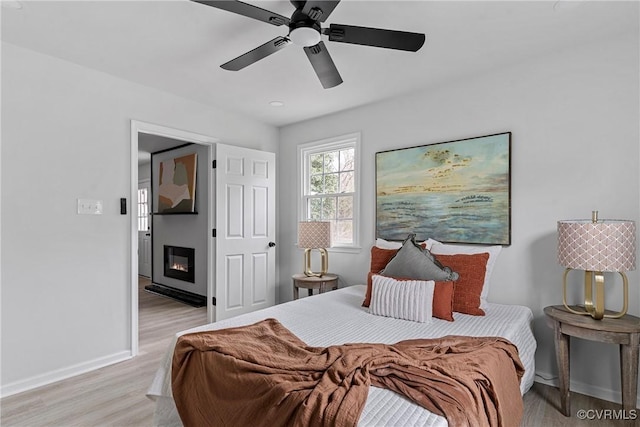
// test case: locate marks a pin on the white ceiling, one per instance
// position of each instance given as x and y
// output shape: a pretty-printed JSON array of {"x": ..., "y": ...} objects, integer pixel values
[{"x": 178, "y": 46}]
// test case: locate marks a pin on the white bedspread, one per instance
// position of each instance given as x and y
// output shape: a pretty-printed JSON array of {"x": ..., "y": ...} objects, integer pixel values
[{"x": 337, "y": 318}]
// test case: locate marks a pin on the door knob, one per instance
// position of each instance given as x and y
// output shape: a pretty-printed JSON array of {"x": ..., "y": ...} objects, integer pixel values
[{"x": 272, "y": 244}]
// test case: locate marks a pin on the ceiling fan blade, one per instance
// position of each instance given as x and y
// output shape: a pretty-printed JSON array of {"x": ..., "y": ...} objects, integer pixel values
[
  {"x": 247, "y": 10},
  {"x": 378, "y": 37},
  {"x": 319, "y": 10},
  {"x": 323, "y": 65},
  {"x": 270, "y": 47}
]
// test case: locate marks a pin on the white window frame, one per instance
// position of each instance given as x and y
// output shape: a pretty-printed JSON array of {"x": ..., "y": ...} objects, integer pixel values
[
  {"x": 330, "y": 144},
  {"x": 146, "y": 217}
]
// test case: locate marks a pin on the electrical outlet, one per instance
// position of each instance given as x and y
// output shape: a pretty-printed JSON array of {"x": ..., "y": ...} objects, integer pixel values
[{"x": 89, "y": 207}]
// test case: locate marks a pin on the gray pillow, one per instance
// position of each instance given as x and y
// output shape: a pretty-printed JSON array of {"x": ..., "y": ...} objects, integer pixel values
[{"x": 414, "y": 262}]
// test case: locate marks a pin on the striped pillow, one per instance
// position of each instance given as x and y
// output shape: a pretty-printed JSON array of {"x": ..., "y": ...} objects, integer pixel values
[{"x": 407, "y": 299}]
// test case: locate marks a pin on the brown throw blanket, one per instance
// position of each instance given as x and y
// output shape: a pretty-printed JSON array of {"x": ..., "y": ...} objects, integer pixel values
[{"x": 263, "y": 375}]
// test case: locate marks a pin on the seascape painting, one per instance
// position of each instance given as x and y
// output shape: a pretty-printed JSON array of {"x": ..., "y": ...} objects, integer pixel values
[
  {"x": 177, "y": 185},
  {"x": 454, "y": 192}
]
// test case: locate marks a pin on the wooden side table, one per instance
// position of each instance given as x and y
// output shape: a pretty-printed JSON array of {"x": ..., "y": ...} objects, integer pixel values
[
  {"x": 624, "y": 331},
  {"x": 324, "y": 283}
]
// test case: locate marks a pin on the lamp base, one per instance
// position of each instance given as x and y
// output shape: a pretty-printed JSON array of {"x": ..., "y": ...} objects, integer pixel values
[
  {"x": 324, "y": 263},
  {"x": 597, "y": 310}
]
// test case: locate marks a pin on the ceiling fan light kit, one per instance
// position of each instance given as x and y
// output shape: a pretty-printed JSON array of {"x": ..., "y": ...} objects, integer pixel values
[
  {"x": 304, "y": 36},
  {"x": 305, "y": 30}
]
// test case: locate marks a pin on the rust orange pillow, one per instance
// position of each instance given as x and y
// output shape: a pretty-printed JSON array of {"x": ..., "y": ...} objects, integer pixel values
[
  {"x": 380, "y": 258},
  {"x": 468, "y": 287},
  {"x": 367, "y": 296},
  {"x": 443, "y": 301},
  {"x": 442, "y": 297}
]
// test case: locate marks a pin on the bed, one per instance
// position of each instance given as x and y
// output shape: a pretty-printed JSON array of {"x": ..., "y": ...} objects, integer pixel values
[{"x": 337, "y": 317}]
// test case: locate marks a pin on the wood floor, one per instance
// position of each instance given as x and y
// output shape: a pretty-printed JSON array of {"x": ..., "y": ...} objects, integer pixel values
[{"x": 115, "y": 395}]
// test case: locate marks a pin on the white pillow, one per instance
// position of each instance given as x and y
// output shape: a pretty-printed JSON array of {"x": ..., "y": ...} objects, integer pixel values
[
  {"x": 438, "y": 248},
  {"x": 406, "y": 299},
  {"x": 387, "y": 244}
]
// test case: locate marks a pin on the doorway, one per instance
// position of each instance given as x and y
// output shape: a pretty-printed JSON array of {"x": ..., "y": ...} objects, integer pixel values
[{"x": 138, "y": 132}]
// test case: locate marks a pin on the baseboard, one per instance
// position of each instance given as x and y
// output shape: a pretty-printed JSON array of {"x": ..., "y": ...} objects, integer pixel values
[
  {"x": 62, "y": 374},
  {"x": 582, "y": 388}
]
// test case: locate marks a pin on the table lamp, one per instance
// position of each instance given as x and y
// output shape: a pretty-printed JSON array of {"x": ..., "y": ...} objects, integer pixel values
[
  {"x": 315, "y": 235},
  {"x": 597, "y": 246}
]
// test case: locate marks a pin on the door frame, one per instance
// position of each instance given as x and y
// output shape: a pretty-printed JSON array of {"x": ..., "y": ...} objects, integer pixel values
[{"x": 153, "y": 129}]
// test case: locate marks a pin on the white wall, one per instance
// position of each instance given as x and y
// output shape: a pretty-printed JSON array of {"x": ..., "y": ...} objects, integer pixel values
[
  {"x": 65, "y": 277},
  {"x": 144, "y": 172},
  {"x": 575, "y": 148}
]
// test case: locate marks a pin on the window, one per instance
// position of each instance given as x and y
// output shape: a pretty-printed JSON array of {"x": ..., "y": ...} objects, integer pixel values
[
  {"x": 330, "y": 186},
  {"x": 143, "y": 209}
]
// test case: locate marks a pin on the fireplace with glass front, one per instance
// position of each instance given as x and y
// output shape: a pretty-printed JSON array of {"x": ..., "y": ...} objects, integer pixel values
[{"x": 179, "y": 263}]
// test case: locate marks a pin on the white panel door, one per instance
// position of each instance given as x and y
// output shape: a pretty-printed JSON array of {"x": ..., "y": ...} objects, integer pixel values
[
  {"x": 245, "y": 229},
  {"x": 144, "y": 229}
]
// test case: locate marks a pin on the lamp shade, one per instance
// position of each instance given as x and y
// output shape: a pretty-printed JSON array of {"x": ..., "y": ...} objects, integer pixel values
[
  {"x": 607, "y": 245},
  {"x": 314, "y": 234}
]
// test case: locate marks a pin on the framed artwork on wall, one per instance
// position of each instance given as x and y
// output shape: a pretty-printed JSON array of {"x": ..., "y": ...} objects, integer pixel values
[
  {"x": 177, "y": 185},
  {"x": 455, "y": 192}
]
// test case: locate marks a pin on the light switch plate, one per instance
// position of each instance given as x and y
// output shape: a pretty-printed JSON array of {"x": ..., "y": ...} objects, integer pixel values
[{"x": 89, "y": 207}]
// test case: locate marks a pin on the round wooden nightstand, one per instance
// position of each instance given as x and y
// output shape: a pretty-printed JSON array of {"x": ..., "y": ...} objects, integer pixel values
[
  {"x": 624, "y": 331},
  {"x": 324, "y": 283}
]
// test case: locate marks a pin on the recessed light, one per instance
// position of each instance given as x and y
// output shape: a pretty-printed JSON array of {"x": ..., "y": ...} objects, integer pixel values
[
  {"x": 11, "y": 4},
  {"x": 276, "y": 104}
]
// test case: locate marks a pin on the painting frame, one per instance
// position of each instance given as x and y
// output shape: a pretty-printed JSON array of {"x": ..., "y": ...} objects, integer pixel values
[
  {"x": 177, "y": 185},
  {"x": 455, "y": 191}
]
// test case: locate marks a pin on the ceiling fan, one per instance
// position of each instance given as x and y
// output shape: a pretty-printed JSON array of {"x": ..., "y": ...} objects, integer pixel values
[{"x": 305, "y": 30}]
